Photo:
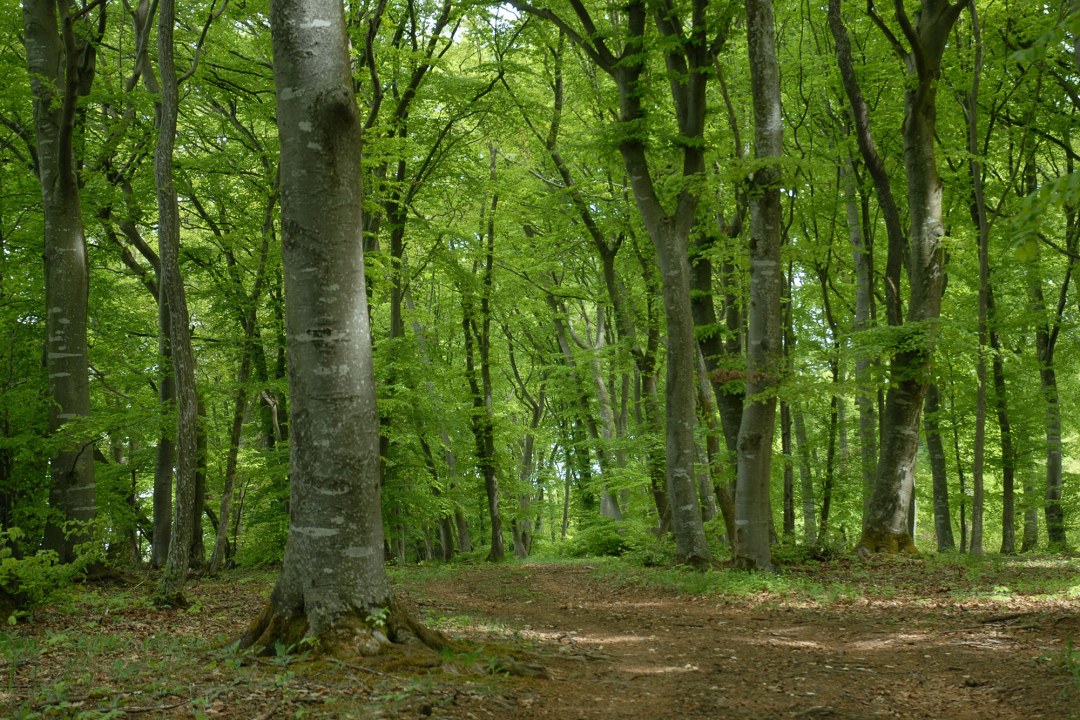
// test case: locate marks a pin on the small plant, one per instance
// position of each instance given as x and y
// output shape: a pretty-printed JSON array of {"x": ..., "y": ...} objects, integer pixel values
[{"x": 376, "y": 618}]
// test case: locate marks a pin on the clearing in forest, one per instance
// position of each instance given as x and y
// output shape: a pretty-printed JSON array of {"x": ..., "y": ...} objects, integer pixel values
[{"x": 885, "y": 638}]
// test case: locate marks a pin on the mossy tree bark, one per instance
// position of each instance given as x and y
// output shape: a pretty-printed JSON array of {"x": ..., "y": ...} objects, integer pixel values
[{"x": 333, "y": 587}]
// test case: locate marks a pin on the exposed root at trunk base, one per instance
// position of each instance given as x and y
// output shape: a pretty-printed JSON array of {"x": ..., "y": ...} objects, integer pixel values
[
  {"x": 351, "y": 635},
  {"x": 872, "y": 543}
]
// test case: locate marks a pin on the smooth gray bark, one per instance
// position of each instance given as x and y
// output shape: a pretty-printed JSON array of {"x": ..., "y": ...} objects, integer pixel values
[
  {"x": 332, "y": 577},
  {"x": 764, "y": 331},
  {"x": 886, "y": 527},
  {"x": 61, "y": 66}
]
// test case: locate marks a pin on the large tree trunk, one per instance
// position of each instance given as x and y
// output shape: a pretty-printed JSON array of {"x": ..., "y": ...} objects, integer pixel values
[
  {"x": 886, "y": 528},
  {"x": 61, "y": 66},
  {"x": 170, "y": 590},
  {"x": 333, "y": 585},
  {"x": 764, "y": 332}
]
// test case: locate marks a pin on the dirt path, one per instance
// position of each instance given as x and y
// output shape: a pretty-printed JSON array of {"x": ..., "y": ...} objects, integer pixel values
[
  {"x": 628, "y": 652},
  {"x": 888, "y": 638}
]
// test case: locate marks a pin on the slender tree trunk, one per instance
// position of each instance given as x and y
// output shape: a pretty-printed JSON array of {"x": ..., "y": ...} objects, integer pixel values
[
  {"x": 713, "y": 453},
  {"x": 1008, "y": 451},
  {"x": 1031, "y": 502},
  {"x": 806, "y": 481},
  {"x": 959, "y": 472},
  {"x": 789, "y": 469},
  {"x": 166, "y": 448},
  {"x": 240, "y": 405},
  {"x": 61, "y": 62},
  {"x": 936, "y": 450},
  {"x": 478, "y": 343},
  {"x": 333, "y": 580},
  {"x": 1046, "y": 334},
  {"x": 864, "y": 313},
  {"x": 170, "y": 590},
  {"x": 982, "y": 225}
]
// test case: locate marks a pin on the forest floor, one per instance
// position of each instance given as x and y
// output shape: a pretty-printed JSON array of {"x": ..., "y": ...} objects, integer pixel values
[{"x": 882, "y": 638}]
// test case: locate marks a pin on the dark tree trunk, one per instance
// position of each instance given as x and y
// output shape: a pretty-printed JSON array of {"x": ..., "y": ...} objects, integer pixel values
[
  {"x": 789, "y": 469},
  {"x": 166, "y": 448},
  {"x": 936, "y": 450},
  {"x": 171, "y": 587}
]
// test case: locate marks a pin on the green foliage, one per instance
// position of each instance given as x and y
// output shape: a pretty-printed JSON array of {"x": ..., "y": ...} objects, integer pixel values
[
  {"x": 634, "y": 541},
  {"x": 600, "y": 537},
  {"x": 26, "y": 581}
]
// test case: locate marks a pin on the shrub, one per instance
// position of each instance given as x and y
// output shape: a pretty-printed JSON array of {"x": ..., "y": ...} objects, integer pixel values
[{"x": 26, "y": 581}]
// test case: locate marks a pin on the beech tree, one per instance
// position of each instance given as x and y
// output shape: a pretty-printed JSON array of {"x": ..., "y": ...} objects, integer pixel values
[
  {"x": 61, "y": 58},
  {"x": 886, "y": 526},
  {"x": 764, "y": 336},
  {"x": 333, "y": 585}
]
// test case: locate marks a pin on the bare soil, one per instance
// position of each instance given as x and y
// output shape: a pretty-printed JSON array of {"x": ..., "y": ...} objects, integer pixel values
[
  {"x": 628, "y": 652},
  {"x": 884, "y": 639}
]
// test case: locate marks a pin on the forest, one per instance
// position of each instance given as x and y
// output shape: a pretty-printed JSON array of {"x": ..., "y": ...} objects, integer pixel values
[{"x": 399, "y": 300}]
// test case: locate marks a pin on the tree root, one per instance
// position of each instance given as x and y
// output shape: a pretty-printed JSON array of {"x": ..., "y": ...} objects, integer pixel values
[
  {"x": 872, "y": 543},
  {"x": 355, "y": 633}
]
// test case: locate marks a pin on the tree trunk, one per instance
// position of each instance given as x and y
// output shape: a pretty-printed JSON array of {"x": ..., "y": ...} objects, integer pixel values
[
  {"x": 1008, "y": 451},
  {"x": 764, "y": 332},
  {"x": 166, "y": 448},
  {"x": 170, "y": 590},
  {"x": 863, "y": 259},
  {"x": 61, "y": 66},
  {"x": 1046, "y": 334},
  {"x": 886, "y": 527},
  {"x": 982, "y": 226},
  {"x": 478, "y": 343},
  {"x": 240, "y": 405},
  {"x": 806, "y": 481},
  {"x": 789, "y": 469},
  {"x": 714, "y": 454},
  {"x": 936, "y": 450},
  {"x": 333, "y": 586}
]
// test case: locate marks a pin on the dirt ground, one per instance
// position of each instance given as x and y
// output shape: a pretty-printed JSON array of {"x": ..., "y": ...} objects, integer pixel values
[
  {"x": 890, "y": 639},
  {"x": 627, "y": 652}
]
